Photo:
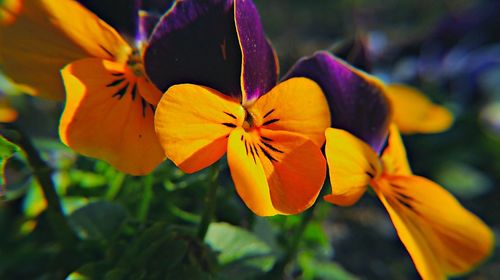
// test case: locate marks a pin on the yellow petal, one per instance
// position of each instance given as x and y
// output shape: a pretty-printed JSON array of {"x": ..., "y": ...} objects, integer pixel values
[
  {"x": 296, "y": 105},
  {"x": 442, "y": 237},
  {"x": 248, "y": 174},
  {"x": 193, "y": 124},
  {"x": 49, "y": 34},
  {"x": 106, "y": 116},
  {"x": 415, "y": 113},
  {"x": 394, "y": 155},
  {"x": 352, "y": 164}
]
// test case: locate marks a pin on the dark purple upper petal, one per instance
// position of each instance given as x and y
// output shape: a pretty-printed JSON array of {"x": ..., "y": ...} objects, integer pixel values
[
  {"x": 147, "y": 23},
  {"x": 259, "y": 64},
  {"x": 196, "y": 42},
  {"x": 357, "y": 104}
]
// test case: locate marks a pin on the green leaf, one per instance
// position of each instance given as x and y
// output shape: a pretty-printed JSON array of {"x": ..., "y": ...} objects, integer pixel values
[
  {"x": 98, "y": 220},
  {"x": 319, "y": 269},
  {"x": 241, "y": 254},
  {"x": 7, "y": 149},
  {"x": 464, "y": 180}
]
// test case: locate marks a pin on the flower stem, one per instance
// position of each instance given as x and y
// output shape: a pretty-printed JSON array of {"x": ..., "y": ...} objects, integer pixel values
[
  {"x": 210, "y": 200},
  {"x": 292, "y": 247},
  {"x": 143, "y": 211},
  {"x": 43, "y": 174}
]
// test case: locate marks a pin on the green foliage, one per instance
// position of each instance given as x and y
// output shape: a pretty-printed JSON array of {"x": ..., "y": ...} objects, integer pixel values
[{"x": 7, "y": 149}]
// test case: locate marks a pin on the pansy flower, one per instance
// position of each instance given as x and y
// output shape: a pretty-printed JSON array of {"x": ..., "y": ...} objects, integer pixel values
[
  {"x": 110, "y": 101},
  {"x": 271, "y": 133},
  {"x": 441, "y": 236}
]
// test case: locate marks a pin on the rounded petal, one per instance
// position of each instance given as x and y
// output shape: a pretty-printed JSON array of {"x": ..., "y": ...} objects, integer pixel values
[
  {"x": 356, "y": 99},
  {"x": 352, "y": 164},
  {"x": 106, "y": 117},
  {"x": 415, "y": 113},
  {"x": 248, "y": 174},
  {"x": 49, "y": 34},
  {"x": 193, "y": 123},
  {"x": 295, "y": 169},
  {"x": 442, "y": 237},
  {"x": 196, "y": 42},
  {"x": 296, "y": 105}
]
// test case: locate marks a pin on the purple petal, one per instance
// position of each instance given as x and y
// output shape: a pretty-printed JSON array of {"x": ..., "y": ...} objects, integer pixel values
[
  {"x": 357, "y": 104},
  {"x": 147, "y": 23},
  {"x": 196, "y": 42},
  {"x": 260, "y": 72}
]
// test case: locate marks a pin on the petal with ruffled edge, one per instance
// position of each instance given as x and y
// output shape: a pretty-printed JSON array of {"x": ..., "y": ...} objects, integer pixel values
[
  {"x": 49, "y": 34},
  {"x": 357, "y": 101},
  {"x": 415, "y": 113},
  {"x": 196, "y": 42},
  {"x": 259, "y": 67},
  {"x": 107, "y": 117},
  {"x": 193, "y": 124},
  {"x": 296, "y": 105},
  {"x": 352, "y": 165},
  {"x": 275, "y": 172},
  {"x": 442, "y": 237}
]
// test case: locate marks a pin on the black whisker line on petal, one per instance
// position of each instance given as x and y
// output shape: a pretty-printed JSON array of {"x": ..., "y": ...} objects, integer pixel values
[
  {"x": 270, "y": 122},
  {"x": 273, "y": 148},
  {"x": 268, "y": 113},
  {"x": 266, "y": 139},
  {"x": 144, "y": 106},
  {"x": 121, "y": 92},
  {"x": 231, "y": 115},
  {"x": 268, "y": 155},
  {"x": 134, "y": 91},
  {"x": 107, "y": 51},
  {"x": 232, "y": 125},
  {"x": 115, "y": 82},
  {"x": 117, "y": 74},
  {"x": 252, "y": 150}
]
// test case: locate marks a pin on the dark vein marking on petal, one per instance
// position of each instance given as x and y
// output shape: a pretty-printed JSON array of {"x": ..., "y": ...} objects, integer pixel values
[
  {"x": 246, "y": 147},
  {"x": 121, "y": 92},
  {"x": 268, "y": 113},
  {"x": 152, "y": 108},
  {"x": 144, "y": 106},
  {"x": 241, "y": 139},
  {"x": 270, "y": 122},
  {"x": 252, "y": 150},
  {"x": 268, "y": 155},
  {"x": 115, "y": 82},
  {"x": 370, "y": 174},
  {"x": 266, "y": 139},
  {"x": 134, "y": 91},
  {"x": 232, "y": 125},
  {"x": 231, "y": 115},
  {"x": 107, "y": 51},
  {"x": 117, "y": 74},
  {"x": 273, "y": 148}
]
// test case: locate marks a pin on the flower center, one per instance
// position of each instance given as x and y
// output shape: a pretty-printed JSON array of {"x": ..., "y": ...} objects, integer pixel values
[{"x": 134, "y": 62}]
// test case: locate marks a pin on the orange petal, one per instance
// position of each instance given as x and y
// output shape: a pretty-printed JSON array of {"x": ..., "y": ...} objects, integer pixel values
[
  {"x": 394, "y": 155},
  {"x": 49, "y": 34},
  {"x": 275, "y": 171},
  {"x": 442, "y": 237},
  {"x": 295, "y": 169},
  {"x": 248, "y": 174},
  {"x": 352, "y": 164},
  {"x": 296, "y": 105},
  {"x": 193, "y": 123},
  {"x": 106, "y": 117},
  {"x": 415, "y": 113}
]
